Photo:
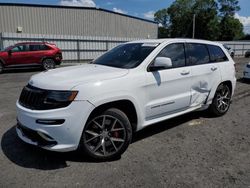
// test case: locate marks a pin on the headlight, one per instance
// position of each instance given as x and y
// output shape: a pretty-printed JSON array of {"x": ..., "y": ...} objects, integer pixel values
[{"x": 59, "y": 99}]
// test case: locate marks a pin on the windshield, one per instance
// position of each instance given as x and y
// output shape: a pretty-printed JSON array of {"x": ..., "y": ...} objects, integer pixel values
[
  {"x": 126, "y": 55},
  {"x": 7, "y": 48}
]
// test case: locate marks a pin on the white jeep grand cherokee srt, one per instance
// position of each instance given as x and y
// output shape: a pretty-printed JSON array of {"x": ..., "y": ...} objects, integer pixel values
[{"x": 97, "y": 107}]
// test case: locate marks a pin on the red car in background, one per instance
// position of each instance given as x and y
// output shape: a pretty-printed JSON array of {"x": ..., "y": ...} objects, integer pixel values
[{"x": 41, "y": 54}]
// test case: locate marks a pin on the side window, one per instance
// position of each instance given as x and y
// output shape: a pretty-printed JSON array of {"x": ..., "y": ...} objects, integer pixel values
[
  {"x": 176, "y": 53},
  {"x": 197, "y": 54},
  {"x": 34, "y": 47},
  {"x": 20, "y": 48},
  {"x": 216, "y": 54},
  {"x": 44, "y": 47}
]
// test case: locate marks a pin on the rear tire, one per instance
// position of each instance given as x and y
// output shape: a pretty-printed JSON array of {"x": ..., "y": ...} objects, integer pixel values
[
  {"x": 106, "y": 136},
  {"x": 221, "y": 101},
  {"x": 48, "y": 64}
]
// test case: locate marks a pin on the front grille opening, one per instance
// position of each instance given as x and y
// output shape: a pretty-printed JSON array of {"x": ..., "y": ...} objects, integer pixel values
[{"x": 32, "y": 97}]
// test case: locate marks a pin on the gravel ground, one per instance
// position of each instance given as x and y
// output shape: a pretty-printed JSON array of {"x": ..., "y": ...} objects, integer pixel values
[{"x": 193, "y": 150}]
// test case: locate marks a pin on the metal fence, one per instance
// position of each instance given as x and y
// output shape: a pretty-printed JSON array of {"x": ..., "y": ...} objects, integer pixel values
[
  {"x": 239, "y": 47},
  {"x": 74, "y": 48},
  {"x": 85, "y": 48}
]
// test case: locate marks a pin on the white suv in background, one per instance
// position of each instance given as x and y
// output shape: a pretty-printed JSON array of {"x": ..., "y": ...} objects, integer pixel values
[{"x": 97, "y": 107}]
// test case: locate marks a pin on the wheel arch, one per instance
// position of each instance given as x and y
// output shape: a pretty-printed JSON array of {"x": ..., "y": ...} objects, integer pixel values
[
  {"x": 212, "y": 92},
  {"x": 125, "y": 105},
  {"x": 47, "y": 57}
]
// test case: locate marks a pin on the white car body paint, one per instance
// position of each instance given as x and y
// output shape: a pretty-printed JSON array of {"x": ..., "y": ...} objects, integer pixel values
[{"x": 156, "y": 96}]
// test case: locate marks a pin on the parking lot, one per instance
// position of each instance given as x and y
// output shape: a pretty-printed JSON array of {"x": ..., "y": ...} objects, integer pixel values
[{"x": 193, "y": 150}]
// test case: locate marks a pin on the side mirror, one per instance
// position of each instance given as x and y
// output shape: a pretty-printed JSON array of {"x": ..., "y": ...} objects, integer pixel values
[{"x": 161, "y": 63}]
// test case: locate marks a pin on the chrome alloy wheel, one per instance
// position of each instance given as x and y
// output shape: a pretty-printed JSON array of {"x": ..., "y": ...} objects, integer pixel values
[
  {"x": 223, "y": 99},
  {"x": 104, "y": 135}
]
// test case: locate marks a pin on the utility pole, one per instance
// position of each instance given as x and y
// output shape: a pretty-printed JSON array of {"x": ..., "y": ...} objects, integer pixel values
[{"x": 194, "y": 26}]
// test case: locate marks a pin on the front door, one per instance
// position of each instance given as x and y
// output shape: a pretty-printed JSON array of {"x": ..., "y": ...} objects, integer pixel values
[
  {"x": 18, "y": 55},
  {"x": 168, "y": 90}
]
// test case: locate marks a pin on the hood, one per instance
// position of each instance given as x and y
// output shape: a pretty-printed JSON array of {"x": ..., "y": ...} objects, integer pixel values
[{"x": 68, "y": 77}]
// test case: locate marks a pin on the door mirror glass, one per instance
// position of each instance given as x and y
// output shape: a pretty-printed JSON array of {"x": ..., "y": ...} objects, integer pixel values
[{"x": 161, "y": 63}]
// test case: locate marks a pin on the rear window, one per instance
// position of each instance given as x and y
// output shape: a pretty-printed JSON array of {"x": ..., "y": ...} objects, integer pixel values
[
  {"x": 197, "y": 54},
  {"x": 216, "y": 54}
]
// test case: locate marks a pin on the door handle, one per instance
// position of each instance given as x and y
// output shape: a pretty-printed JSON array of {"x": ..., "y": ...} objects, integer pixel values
[
  {"x": 213, "y": 68},
  {"x": 185, "y": 73}
]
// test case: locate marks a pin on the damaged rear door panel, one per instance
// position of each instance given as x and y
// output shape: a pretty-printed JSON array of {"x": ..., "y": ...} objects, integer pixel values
[{"x": 205, "y": 73}]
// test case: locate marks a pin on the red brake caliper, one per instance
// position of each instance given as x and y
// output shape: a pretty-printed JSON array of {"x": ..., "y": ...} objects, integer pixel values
[{"x": 116, "y": 134}]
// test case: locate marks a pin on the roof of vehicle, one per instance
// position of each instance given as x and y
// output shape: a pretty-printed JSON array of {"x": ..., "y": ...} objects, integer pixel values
[
  {"x": 33, "y": 43},
  {"x": 175, "y": 40}
]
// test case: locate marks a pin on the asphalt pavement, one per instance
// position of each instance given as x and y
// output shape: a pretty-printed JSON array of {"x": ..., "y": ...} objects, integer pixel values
[{"x": 194, "y": 150}]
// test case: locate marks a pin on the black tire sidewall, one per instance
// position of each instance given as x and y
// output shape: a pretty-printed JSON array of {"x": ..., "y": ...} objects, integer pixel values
[
  {"x": 54, "y": 63},
  {"x": 1, "y": 67},
  {"x": 121, "y": 116},
  {"x": 213, "y": 107}
]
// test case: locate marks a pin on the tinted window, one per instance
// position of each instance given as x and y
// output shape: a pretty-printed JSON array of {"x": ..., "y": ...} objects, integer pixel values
[
  {"x": 176, "y": 53},
  {"x": 20, "y": 48},
  {"x": 34, "y": 47},
  {"x": 216, "y": 54},
  {"x": 38, "y": 47},
  {"x": 197, "y": 54},
  {"x": 44, "y": 47},
  {"x": 126, "y": 55}
]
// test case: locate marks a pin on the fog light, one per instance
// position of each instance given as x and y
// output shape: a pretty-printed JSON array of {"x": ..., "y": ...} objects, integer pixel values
[
  {"x": 50, "y": 121},
  {"x": 45, "y": 137}
]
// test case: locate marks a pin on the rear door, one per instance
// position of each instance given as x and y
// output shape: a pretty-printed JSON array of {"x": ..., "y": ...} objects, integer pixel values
[
  {"x": 36, "y": 53},
  {"x": 205, "y": 72}
]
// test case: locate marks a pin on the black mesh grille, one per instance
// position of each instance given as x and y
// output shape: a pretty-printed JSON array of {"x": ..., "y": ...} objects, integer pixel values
[{"x": 32, "y": 97}]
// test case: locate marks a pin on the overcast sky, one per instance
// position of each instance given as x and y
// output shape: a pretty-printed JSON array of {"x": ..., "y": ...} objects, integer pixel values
[{"x": 139, "y": 8}]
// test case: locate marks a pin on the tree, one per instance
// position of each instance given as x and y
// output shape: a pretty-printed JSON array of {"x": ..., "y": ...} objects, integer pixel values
[
  {"x": 228, "y": 7},
  {"x": 162, "y": 18},
  {"x": 231, "y": 29},
  {"x": 207, "y": 20},
  {"x": 181, "y": 17},
  {"x": 214, "y": 19}
]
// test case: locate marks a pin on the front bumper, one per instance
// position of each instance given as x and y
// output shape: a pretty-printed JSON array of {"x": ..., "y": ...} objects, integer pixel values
[{"x": 58, "y": 137}]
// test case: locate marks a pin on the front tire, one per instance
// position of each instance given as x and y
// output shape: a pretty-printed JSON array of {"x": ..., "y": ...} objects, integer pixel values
[
  {"x": 48, "y": 64},
  {"x": 221, "y": 101},
  {"x": 106, "y": 136},
  {"x": 1, "y": 68}
]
